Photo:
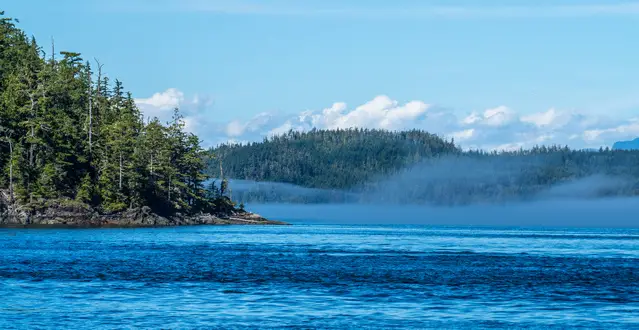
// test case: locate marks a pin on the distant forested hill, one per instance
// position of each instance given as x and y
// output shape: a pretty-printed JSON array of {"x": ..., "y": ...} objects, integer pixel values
[
  {"x": 327, "y": 159},
  {"x": 627, "y": 145},
  {"x": 415, "y": 166}
]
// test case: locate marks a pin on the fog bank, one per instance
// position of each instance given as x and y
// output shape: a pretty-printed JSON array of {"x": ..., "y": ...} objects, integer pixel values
[
  {"x": 618, "y": 212},
  {"x": 512, "y": 190}
]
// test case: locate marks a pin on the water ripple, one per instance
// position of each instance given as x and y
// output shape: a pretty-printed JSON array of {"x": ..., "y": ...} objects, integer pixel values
[{"x": 319, "y": 277}]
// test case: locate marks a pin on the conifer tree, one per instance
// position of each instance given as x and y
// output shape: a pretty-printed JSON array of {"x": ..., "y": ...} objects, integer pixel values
[{"x": 66, "y": 133}]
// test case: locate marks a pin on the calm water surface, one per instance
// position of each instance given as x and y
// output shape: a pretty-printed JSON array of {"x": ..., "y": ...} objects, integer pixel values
[{"x": 319, "y": 276}]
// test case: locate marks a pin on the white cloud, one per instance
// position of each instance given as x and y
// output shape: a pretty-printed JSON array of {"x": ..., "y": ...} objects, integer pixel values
[
  {"x": 496, "y": 117},
  {"x": 191, "y": 124},
  {"x": 381, "y": 112},
  {"x": 464, "y": 135},
  {"x": 236, "y": 128},
  {"x": 160, "y": 105},
  {"x": 624, "y": 131},
  {"x": 497, "y": 128},
  {"x": 287, "y": 126},
  {"x": 550, "y": 118},
  {"x": 508, "y": 147},
  {"x": 167, "y": 100},
  {"x": 194, "y": 110},
  {"x": 544, "y": 138}
]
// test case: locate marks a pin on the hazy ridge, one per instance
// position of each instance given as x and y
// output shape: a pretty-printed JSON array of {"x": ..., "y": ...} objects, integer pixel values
[{"x": 422, "y": 169}]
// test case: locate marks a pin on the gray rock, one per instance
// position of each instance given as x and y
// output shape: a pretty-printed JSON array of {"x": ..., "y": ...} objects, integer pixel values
[{"x": 68, "y": 213}]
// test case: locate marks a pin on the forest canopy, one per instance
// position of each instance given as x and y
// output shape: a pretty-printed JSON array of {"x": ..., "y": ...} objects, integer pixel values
[
  {"x": 359, "y": 165},
  {"x": 329, "y": 159},
  {"x": 67, "y": 132}
]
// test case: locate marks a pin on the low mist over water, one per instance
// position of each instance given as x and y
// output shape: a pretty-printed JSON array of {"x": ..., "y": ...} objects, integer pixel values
[
  {"x": 446, "y": 195},
  {"x": 618, "y": 212},
  {"x": 459, "y": 181}
]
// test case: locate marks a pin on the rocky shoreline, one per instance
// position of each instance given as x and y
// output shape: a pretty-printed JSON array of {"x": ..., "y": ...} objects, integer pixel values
[{"x": 73, "y": 215}]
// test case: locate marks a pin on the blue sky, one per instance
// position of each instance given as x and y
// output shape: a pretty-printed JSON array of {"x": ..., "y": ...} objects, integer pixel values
[{"x": 493, "y": 74}]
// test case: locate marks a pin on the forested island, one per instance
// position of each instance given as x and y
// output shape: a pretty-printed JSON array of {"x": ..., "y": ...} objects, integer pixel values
[
  {"x": 327, "y": 159},
  {"x": 76, "y": 151},
  {"x": 361, "y": 165}
]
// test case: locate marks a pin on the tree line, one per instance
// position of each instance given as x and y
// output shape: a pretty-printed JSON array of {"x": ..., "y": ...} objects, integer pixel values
[
  {"x": 328, "y": 159},
  {"x": 356, "y": 165},
  {"x": 67, "y": 132}
]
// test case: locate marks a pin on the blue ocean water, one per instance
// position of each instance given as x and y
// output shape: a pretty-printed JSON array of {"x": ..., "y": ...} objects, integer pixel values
[{"x": 319, "y": 276}]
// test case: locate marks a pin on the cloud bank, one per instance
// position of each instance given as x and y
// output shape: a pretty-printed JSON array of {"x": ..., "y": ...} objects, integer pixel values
[{"x": 496, "y": 128}]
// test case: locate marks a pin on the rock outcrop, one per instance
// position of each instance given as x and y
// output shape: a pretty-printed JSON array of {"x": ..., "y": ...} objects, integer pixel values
[{"x": 71, "y": 214}]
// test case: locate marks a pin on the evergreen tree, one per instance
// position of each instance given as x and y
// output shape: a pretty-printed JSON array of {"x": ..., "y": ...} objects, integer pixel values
[
  {"x": 66, "y": 133},
  {"x": 357, "y": 161}
]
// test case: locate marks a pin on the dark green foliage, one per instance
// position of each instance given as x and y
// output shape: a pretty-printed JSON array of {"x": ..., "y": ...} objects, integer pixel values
[
  {"x": 66, "y": 134},
  {"x": 327, "y": 159},
  {"x": 407, "y": 167},
  {"x": 541, "y": 172}
]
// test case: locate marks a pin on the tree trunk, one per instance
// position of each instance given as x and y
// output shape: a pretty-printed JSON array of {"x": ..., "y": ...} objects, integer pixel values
[
  {"x": 120, "y": 181},
  {"x": 90, "y": 115},
  {"x": 10, "y": 171},
  {"x": 53, "y": 51},
  {"x": 99, "y": 94},
  {"x": 32, "y": 144}
]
